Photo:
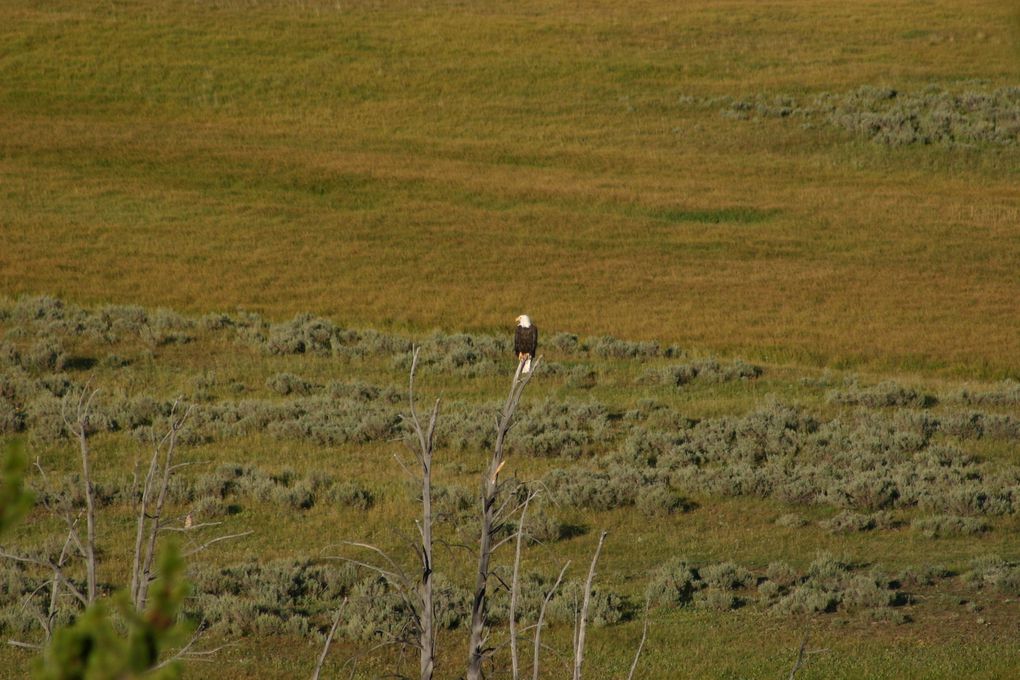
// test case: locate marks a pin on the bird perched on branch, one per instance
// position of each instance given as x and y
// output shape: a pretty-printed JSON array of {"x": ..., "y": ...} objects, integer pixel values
[{"x": 525, "y": 341}]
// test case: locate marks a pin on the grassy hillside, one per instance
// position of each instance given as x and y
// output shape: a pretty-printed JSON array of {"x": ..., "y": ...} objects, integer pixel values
[
  {"x": 749, "y": 500},
  {"x": 647, "y": 169},
  {"x": 772, "y": 248}
]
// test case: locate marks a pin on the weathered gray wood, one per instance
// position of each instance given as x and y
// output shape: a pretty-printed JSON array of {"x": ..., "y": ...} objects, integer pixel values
[{"x": 583, "y": 622}]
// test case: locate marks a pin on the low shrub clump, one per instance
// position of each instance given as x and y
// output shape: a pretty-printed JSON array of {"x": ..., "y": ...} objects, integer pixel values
[
  {"x": 991, "y": 571},
  {"x": 942, "y": 526},
  {"x": 674, "y": 584},
  {"x": 594, "y": 489},
  {"x": 708, "y": 370},
  {"x": 981, "y": 425},
  {"x": 1006, "y": 394},
  {"x": 832, "y": 584},
  {"x": 852, "y": 522},
  {"x": 232, "y": 482},
  {"x": 893, "y": 118},
  {"x": 791, "y": 521},
  {"x": 882, "y": 395},
  {"x": 288, "y": 383},
  {"x": 661, "y": 501},
  {"x": 828, "y": 585}
]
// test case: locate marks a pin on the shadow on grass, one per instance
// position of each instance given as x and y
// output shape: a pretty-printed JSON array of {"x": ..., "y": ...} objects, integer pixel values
[
  {"x": 75, "y": 363},
  {"x": 715, "y": 216}
]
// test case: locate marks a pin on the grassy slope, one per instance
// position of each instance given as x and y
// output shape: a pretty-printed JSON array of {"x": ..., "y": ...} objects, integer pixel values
[
  {"x": 945, "y": 638},
  {"x": 410, "y": 166},
  {"x": 415, "y": 165}
]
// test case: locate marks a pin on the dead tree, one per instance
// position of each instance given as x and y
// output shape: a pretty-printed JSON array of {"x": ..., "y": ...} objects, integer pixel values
[
  {"x": 417, "y": 596},
  {"x": 151, "y": 523},
  {"x": 80, "y": 429},
  {"x": 150, "y": 511},
  {"x": 425, "y": 437},
  {"x": 541, "y": 618},
  {"x": 515, "y": 586},
  {"x": 490, "y": 517},
  {"x": 583, "y": 621},
  {"x": 803, "y": 653}
]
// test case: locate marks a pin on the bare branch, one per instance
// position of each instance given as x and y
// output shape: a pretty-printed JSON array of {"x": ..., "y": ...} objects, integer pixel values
[
  {"x": 80, "y": 430},
  {"x": 641, "y": 645},
  {"x": 193, "y": 527},
  {"x": 798, "y": 662},
  {"x": 426, "y": 618},
  {"x": 24, "y": 645},
  {"x": 490, "y": 492},
  {"x": 198, "y": 656},
  {"x": 803, "y": 652},
  {"x": 541, "y": 617},
  {"x": 58, "y": 573},
  {"x": 51, "y": 612},
  {"x": 389, "y": 560},
  {"x": 388, "y": 575},
  {"x": 329, "y": 640},
  {"x": 143, "y": 506},
  {"x": 515, "y": 589},
  {"x": 156, "y": 517},
  {"x": 582, "y": 624},
  {"x": 183, "y": 650},
  {"x": 217, "y": 540},
  {"x": 203, "y": 655},
  {"x": 404, "y": 467},
  {"x": 399, "y": 581}
]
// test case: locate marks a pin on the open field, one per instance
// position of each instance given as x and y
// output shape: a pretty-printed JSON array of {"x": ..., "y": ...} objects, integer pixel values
[
  {"x": 792, "y": 395},
  {"x": 411, "y": 166},
  {"x": 881, "y": 514}
]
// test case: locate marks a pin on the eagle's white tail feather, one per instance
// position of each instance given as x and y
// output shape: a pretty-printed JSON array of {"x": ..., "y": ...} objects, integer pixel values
[{"x": 527, "y": 366}]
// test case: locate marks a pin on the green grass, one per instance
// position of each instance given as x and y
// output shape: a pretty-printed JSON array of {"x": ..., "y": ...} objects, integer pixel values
[
  {"x": 944, "y": 638},
  {"x": 415, "y": 166}
]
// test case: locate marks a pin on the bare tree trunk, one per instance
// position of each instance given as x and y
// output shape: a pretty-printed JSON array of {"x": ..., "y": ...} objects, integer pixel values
[
  {"x": 143, "y": 575},
  {"x": 80, "y": 429},
  {"x": 90, "y": 515},
  {"x": 541, "y": 617},
  {"x": 582, "y": 624},
  {"x": 51, "y": 611},
  {"x": 515, "y": 589},
  {"x": 428, "y": 626},
  {"x": 478, "y": 606},
  {"x": 427, "y": 632},
  {"x": 143, "y": 507},
  {"x": 490, "y": 491}
]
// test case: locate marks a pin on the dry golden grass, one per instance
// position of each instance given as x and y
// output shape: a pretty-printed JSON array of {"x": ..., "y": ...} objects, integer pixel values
[{"x": 417, "y": 165}]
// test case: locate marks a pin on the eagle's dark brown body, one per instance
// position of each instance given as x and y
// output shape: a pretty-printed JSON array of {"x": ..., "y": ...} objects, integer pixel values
[{"x": 526, "y": 342}]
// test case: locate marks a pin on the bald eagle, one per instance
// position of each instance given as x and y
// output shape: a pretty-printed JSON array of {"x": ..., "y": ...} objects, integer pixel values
[{"x": 525, "y": 341}]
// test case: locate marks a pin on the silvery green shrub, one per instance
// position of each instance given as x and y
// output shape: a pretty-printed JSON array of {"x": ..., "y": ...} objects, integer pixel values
[
  {"x": 351, "y": 494},
  {"x": 941, "y": 526},
  {"x": 726, "y": 576},
  {"x": 674, "y": 583},
  {"x": 288, "y": 383}
]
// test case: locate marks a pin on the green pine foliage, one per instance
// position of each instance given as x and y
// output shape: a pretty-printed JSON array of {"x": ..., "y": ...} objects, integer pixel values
[
  {"x": 15, "y": 500},
  {"x": 120, "y": 643}
]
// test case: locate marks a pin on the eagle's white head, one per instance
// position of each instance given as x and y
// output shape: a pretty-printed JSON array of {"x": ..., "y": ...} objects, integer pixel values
[{"x": 524, "y": 321}]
